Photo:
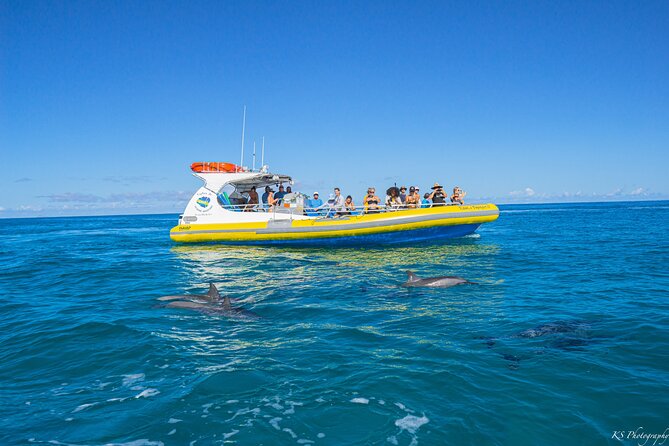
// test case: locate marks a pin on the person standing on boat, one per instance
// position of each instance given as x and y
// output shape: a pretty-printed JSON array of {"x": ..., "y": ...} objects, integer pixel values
[
  {"x": 265, "y": 195},
  {"x": 438, "y": 196},
  {"x": 279, "y": 195},
  {"x": 403, "y": 194},
  {"x": 349, "y": 205},
  {"x": 425, "y": 202},
  {"x": 413, "y": 199},
  {"x": 271, "y": 198},
  {"x": 253, "y": 200},
  {"x": 458, "y": 196},
  {"x": 338, "y": 204},
  {"x": 393, "y": 201},
  {"x": 371, "y": 201}
]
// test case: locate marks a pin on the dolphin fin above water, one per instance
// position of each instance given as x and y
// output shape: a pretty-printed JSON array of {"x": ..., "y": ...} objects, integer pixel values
[
  {"x": 412, "y": 277},
  {"x": 227, "y": 306},
  {"x": 213, "y": 292}
]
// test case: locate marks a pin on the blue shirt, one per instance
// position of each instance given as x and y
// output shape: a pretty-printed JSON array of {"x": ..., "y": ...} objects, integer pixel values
[
  {"x": 425, "y": 203},
  {"x": 315, "y": 203},
  {"x": 279, "y": 195}
]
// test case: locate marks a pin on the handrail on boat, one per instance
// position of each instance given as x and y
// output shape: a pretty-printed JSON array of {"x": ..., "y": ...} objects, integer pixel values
[{"x": 322, "y": 211}]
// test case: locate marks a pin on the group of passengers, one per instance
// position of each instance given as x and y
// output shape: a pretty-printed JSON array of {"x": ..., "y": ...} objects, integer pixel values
[{"x": 396, "y": 198}]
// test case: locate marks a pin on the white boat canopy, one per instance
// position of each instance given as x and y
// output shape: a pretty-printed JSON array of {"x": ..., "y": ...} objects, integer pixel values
[{"x": 215, "y": 181}]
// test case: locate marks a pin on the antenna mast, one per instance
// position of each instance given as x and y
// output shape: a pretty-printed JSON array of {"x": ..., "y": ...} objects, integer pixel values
[
  {"x": 241, "y": 165},
  {"x": 254, "y": 156},
  {"x": 262, "y": 154}
]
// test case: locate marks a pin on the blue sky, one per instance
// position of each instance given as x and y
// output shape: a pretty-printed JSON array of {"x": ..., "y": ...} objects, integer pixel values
[{"x": 104, "y": 105}]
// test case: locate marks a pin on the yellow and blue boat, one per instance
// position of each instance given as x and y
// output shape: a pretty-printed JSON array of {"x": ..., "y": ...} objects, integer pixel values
[{"x": 219, "y": 212}]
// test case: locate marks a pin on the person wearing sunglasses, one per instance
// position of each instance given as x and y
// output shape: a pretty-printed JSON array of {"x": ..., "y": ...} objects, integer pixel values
[{"x": 371, "y": 201}]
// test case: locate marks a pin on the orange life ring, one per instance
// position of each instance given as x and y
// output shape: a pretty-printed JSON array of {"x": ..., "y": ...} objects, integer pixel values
[{"x": 215, "y": 167}]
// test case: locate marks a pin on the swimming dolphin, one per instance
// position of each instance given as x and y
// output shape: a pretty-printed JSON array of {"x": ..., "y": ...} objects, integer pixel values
[
  {"x": 220, "y": 308},
  {"x": 210, "y": 303},
  {"x": 433, "y": 282},
  {"x": 211, "y": 296}
]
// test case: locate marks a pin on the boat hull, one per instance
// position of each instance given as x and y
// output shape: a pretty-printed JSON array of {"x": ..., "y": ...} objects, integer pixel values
[{"x": 398, "y": 227}]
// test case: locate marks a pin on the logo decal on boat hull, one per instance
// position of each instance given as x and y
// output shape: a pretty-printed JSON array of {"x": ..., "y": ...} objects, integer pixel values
[{"x": 203, "y": 203}]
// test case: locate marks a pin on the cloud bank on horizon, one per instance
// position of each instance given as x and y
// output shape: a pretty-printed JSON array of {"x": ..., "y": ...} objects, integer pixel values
[{"x": 165, "y": 202}]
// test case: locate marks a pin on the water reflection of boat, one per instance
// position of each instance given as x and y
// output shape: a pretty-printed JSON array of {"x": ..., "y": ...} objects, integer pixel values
[
  {"x": 220, "y": 211},
  {"x": 252, "y": 262}
]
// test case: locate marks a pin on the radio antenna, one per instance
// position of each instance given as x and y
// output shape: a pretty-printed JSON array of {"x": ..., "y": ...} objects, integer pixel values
[
  {"x": 254, "y": 156},
  {"x": 262, "y": 153},
  {"x": 243, "y": 129}
]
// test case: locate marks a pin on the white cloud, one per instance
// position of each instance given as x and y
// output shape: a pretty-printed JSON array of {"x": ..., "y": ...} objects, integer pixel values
[
  {"x": 74, "y": 203},
  {"x": 115, "y": 200},
  {"x": 29, "y": 209},
  {"x": 527, "y": 192},
  {"x": 616, "y": 193},
  {"x": 529, "y": 195}
]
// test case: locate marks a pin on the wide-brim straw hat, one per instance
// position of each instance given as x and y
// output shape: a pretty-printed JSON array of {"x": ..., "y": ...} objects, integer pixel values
[{"x": 436, "y": 186}]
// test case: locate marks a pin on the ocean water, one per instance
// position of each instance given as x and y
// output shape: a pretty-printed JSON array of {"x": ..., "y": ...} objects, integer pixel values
[{"x": 563, "y": 340}]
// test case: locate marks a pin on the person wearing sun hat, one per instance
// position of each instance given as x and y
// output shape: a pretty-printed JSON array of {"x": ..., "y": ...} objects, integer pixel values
[
  {"x": 403, "y": 194},
  {"x": 438, "y": 196}
]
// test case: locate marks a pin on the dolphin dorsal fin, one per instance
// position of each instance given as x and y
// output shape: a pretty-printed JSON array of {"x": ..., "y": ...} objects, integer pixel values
[
  {"x": 412, "y": 276},
  {"x": 213, "y": 292},
  {"x": 226, "y": 303}
]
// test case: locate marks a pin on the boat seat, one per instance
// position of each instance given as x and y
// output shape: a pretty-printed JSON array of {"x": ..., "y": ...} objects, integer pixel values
[{"x": 225, "y": 201}]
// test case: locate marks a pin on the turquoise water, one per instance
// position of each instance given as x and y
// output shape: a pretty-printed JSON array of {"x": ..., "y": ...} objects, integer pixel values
[{"x": 341, "y": 354}]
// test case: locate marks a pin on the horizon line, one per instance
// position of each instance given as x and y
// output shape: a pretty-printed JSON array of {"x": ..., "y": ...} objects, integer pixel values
[{"x": 177, "y": 213}]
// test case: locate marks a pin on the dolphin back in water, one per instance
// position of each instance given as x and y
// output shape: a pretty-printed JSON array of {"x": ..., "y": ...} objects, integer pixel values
[
  {"x": 211, "y": 296},
  {"x": 210, "y": 303},
  {"x": 433, "y": 282}
]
